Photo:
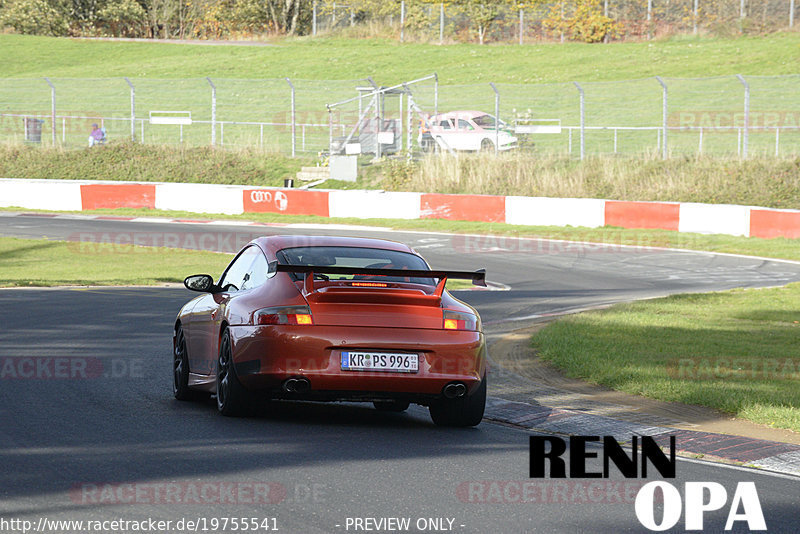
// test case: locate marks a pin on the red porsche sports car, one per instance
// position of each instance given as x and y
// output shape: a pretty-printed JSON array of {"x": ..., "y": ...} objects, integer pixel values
[{"x": 332, "y": 319}]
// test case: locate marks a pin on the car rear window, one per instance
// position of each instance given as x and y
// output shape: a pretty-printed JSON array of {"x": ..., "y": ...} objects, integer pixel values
[{"x": 373, "y": 258}]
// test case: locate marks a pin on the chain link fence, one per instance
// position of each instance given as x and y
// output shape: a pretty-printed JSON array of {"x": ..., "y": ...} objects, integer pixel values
[
  {"x": 725, "y": 115},
  {"x": 443, "y": 21}
]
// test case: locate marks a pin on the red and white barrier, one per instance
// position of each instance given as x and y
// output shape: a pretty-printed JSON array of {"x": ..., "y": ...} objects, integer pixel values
[
  {"x": 543, "y": 211},
  {"x": 114, "y": 196},
  {"x": 774, "y": 223},
  {"x": 286, "y": 201},
  {"x": 59, "y": 195},
  {"x": 374, "y": 204},
  {"x": 714, "y": 219},
  {"x": 199, "y": 198},
  {"x": 69, "y": 195},
  {"x": 484, "y": 208},
  {"x": 651, "y": 215}
]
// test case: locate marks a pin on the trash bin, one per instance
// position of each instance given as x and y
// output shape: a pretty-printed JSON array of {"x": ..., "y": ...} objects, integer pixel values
[
  {"x": 33, "y": 130},
  {"x": 288, "y": 182}
]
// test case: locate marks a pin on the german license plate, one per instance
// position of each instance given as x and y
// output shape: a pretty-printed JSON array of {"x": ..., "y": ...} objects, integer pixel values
[{"x": 380, "y": 361}]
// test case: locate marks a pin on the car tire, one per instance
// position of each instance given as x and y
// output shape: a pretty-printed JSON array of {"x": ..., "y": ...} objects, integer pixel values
[
  {"x": 487, "y": 145},
  {"x": 232, "y": 399},
  {"x": 461, "y": 411},
  {"x": 180, "y": 368},
  {"x": 393, "y": 405}
]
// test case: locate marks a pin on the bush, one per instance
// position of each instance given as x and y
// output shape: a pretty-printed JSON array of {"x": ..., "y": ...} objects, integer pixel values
[
  {"x": 123, "y": 18},
  {"x": 580, "y": 20},
  {"x": 36, "y": 17}
]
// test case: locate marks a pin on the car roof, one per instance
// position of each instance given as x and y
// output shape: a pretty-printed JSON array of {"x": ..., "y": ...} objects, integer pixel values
[
  {"x": 467, "y": 114},
  {"x": 275, "y": 243}
]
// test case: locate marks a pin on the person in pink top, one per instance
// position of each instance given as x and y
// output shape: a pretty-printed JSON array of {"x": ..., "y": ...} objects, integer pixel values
[{"x": 98, "y": 135}]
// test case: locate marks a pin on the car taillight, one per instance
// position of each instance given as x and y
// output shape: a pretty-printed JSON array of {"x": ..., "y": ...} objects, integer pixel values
[
  {"x": 300, "y": 315},
  {"x": 460, "y": 321}
]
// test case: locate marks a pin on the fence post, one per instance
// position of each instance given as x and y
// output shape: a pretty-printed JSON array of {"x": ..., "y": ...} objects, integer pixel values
[
  {"x": 294, "y": 123},
  {"x": 649, "y": 18},
  {"x": 314, "y": 19},
  {"x": 400, "y": 98},
  {"x": 380, "y": 102},
  {"x": 700, "y": 145},
  {"x": 402, "y": 18},
  {"x": 791, "y": 13},
  {"x": 496, "y": 118},
  {"x": 133, "y": 110},
  {"x": 521, "y": 24},
  {"x": 663, "y": 117},
  {"x": 435, "y": 94},
  {"x": 213, "y": 111},
  {"x": 746, "y": 115},
  {"x": 583, "y": 119},
  {"x": 330, "y": 130},
  {"x": 441, "y": 22},
  {"x": 52, "y": 108},
  {"x": 409, "y": 119}
]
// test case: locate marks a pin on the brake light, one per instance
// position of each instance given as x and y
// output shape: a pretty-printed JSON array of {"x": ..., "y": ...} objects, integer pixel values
[
  {"x": 454, "y": 320},
  {"x": 369, "y": 284},
  {"x": 299, "y": 315}
]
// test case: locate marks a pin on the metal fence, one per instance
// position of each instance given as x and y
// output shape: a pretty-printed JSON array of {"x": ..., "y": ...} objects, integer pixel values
[
  {"x": 725, "y": 115},
  {"x": 443, "y": 21}
]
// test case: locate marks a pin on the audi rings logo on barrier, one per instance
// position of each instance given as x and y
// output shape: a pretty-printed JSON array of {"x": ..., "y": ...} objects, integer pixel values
[{"x": 279, "y": 198}]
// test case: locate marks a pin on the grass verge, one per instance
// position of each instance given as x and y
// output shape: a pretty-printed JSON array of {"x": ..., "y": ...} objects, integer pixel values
[
  {"x": 492, "y": 234},
  {"x": 36, "y": 262},
  {"x": 149, "y": 163},
  {"x": 760, "y": 181},
  {"x": 735, "y": 351}
]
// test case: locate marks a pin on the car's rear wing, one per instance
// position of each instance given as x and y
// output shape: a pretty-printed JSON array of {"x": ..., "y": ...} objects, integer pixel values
[{"x": 478, "y": 278}]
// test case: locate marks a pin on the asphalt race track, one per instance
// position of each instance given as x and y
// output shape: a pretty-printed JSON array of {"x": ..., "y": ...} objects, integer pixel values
[{"x": 95, "y": 435}]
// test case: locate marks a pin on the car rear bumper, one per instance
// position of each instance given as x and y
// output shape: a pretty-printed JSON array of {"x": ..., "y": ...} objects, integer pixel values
[{"x": 266, "y": 356}]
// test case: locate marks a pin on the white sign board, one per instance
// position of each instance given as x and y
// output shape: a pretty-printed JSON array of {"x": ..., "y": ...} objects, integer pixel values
[
  {"x": 352, "y": 148},
  {"x": 171, "y": 117}
]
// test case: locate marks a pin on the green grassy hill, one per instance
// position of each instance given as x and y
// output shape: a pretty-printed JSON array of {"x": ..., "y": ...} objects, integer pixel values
[{"x": 390, "y": 62}]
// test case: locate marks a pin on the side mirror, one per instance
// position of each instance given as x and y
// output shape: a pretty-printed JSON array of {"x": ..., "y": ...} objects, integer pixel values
[{"x": 203, "y": 283}]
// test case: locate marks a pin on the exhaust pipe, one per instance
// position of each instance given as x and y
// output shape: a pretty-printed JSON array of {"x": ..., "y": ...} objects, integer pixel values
[
  {"x": 296, "y": 385},
  {"x": 455, "y": 389}
]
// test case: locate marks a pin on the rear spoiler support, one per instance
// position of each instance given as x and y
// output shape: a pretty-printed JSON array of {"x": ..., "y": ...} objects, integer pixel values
[{"x": 478, "y": 278}]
